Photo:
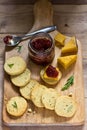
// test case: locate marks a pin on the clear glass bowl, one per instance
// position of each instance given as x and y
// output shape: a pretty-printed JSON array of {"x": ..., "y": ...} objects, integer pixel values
[{"x": 41, "y": 48}]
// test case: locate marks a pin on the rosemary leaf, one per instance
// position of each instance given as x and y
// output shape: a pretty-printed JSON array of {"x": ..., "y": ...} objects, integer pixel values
[
  {"x": 69, "y": 82},
  {"x": 69, "y": 108},
  {"x": 19, "y": 48},
  {"x": 14, "y": 105},
  {"x": 10, "y": 65}
]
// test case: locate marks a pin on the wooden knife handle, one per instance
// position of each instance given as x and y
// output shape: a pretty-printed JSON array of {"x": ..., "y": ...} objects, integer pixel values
[{"x": 43, "y": 14}]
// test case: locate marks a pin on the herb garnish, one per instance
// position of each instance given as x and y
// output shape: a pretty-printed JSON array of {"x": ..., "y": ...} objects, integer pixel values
[
  {"x": 14, "y": 105},
  {"x": 69, "y": 82},
  {"x": 69, "y": 108},
  {"x": 19, "y": 48},
  {"x": 10, "y": 65}
]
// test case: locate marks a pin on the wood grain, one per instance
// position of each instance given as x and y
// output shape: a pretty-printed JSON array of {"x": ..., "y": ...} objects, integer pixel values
[
  {"x": 43, "y": 116},
  {"x": 53, "y": 1},
  {"x": 78, "y": 27}
]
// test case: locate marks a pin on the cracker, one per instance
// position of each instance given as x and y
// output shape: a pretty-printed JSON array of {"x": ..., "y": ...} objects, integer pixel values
[
  {"x": 49, "y": 98},
  {"x": 15, "y": 65},
  {"x": 26, "y": 90},
  {"x": 65, "y": 106},
  {"x": 16, "y": 106},
  {"x": 22, "y": 79},
  {"x": 36, "y": 95}
]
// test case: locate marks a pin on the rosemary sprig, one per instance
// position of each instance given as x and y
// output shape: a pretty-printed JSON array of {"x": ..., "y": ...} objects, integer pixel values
[
  {"x": 10, "y": 65},
  {"x": 19, "y": 48},
  {"x": 14, "y": 105},
  {"x": 69, "y": 82}
]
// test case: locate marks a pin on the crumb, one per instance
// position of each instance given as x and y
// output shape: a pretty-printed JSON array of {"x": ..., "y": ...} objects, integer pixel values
[
  {"x": 29, "y": 110},
  {"x": 34, "y": 112},
  {"x": 5, "y": 99},
  {"x": 70, "y": 94}
]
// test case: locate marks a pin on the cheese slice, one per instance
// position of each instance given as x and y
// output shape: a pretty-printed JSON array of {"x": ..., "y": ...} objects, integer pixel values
[
  {"x": 50, "y": 78},
  {"x": 59, "y": 39},
  {"x": 70, "y": 47},
  {"x": 67, "y": 61}
]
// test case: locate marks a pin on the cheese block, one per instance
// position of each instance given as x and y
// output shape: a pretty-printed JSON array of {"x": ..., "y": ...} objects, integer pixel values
[
  {"x": 67, "y": 61},
  {"x": 26, "y": 90},
  {"x": 16, "y": 106},
  {"x": 50, "y": 80},
  {"x": 70, "y": 47},
  {"x": 21, "y": 79},
  {"x": 49, "y": 98},
  {"x": 36, "y": 95},
  {"x": 65, "y": 106},
  {"x": 15, "y": 65},
  {"x": 59, "y": 39}
]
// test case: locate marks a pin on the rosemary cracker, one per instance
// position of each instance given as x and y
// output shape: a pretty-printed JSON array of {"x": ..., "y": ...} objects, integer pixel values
[
  {"x": 22, "y": 79},
  {"x": 15, "y": 65},
  {"x": 65, "y": 106},
  {"x": 16, "y": 106}
]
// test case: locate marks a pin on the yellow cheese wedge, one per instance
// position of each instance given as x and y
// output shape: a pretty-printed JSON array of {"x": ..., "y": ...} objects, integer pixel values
[
  {"x": 59, "y": 39},
  {"x": 67, "y": 61},
  {"x": 70, "y": 47}
]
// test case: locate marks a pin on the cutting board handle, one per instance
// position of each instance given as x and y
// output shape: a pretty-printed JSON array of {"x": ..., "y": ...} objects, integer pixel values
[{"x": 43, "y": 14}]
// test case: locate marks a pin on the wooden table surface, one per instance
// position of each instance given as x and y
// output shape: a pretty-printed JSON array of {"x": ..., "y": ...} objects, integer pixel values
[{"x": 71, "y": 19}]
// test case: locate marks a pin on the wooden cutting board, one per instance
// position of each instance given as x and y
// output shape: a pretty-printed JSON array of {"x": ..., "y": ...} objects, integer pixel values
[{"x": 43, "y": 14}]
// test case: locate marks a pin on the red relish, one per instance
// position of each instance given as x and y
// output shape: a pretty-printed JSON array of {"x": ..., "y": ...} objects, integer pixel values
[
  {"x": 41, "y": 48},
  {"x": 7, "y": 38},
  {"x": 41, "y": 44},
  {"x": 51, "y": 71}
]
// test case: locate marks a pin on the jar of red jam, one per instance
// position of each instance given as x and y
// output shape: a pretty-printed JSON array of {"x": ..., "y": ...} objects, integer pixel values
[{"x": 41, "y": 48}]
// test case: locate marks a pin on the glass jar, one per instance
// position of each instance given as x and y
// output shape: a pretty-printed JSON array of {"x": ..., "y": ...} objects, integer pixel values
[{"x": 41, "y": 48}]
